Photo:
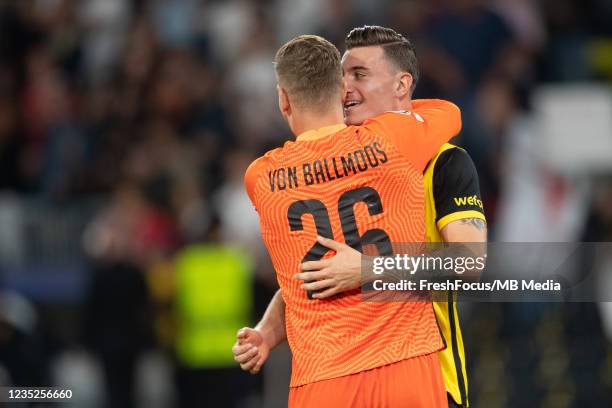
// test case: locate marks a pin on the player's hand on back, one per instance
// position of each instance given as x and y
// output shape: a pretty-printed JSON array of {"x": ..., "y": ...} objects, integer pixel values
[
  {"x": 250, "y": 350},
  {"x": 334, "y": 275}
]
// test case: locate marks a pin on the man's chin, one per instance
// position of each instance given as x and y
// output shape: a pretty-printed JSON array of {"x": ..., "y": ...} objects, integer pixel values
[{"x": 353, "y": 118}]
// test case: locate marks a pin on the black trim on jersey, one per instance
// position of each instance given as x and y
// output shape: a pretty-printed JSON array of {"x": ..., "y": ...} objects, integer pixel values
[
  {"x": 439, "y": 328},
  {"x": 452, "y": 403},
  {"x": 456, "y": 357},
  {"x": 455, "y": 184}
]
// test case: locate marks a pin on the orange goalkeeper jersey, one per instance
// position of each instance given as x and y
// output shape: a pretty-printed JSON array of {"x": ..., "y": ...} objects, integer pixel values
[{"x": 363, "y": 185}]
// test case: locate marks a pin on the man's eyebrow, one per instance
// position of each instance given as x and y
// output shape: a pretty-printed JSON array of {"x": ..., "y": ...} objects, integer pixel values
[{"x": 358, "y": 68}]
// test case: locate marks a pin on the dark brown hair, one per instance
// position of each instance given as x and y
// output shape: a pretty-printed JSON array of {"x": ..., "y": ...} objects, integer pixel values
[
  {"x": 398, "y": 49},
  {"x": 309, "y": 68}
]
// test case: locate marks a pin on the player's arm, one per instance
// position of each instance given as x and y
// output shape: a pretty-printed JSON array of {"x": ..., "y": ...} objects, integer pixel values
[
  {"x": 419, "y": 134},
  {"x": 272, "y": 324},
  {"x": 442, "y": 122},
  {"x": 465, "y": 230},
  {"x": 459, "y": 214},
  {"x": 459, "y": 217},
  {"x": 253, "y": 345},
  {"x": 334, "y": 275},
  {"x": 459, "y": 209},
  {"x": 433, "y": 109}
]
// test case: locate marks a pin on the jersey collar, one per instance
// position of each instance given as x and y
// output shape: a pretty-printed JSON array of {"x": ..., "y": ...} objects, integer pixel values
[{"x": 320, "y": 133}]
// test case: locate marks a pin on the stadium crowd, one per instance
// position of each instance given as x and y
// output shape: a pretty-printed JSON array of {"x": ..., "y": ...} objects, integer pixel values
[{"x": 125, "y": 131}]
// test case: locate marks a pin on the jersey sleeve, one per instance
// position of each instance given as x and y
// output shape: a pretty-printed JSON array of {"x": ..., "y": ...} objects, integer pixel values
[
  {"x": 418, "y": 135},
  {"x": 252, "y": 174},
  {"x": 456, "y": 189}
]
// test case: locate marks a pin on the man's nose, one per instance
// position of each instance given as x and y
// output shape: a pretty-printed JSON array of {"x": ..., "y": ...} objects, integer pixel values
[{"x": 348, "y": 89}]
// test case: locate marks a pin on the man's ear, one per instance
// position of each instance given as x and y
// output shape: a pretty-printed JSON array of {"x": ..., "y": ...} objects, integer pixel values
[
  {"x": 404, "y": 85},
  {"x": 283, "y": 101}
]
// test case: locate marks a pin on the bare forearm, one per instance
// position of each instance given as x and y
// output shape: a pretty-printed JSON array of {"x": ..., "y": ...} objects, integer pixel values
[
  {"x": 467, "y": 238},
  {"x": 465, "y": 242},
  {"x": 272, "y": 324},
  {"x": 465, "y": 230}
]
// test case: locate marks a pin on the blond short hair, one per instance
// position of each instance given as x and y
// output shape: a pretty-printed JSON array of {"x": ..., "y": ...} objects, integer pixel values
[{"x": 308, "y": 67}]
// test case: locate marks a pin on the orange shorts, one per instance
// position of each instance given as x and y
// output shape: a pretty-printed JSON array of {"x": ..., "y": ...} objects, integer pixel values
[{"x": 415, "y": 382}]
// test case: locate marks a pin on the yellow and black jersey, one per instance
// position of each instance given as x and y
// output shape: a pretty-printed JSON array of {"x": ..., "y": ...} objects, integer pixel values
[{"x": 452, "y": 193}]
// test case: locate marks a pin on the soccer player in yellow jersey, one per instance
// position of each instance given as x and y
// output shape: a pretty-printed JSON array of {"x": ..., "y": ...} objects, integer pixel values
[{"x": 453, "y": 207}]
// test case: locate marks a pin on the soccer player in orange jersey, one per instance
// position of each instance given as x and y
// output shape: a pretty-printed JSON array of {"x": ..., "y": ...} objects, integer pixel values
[
  {"x": 363, "y": 184},
  {"x": 374, "y": 55}
]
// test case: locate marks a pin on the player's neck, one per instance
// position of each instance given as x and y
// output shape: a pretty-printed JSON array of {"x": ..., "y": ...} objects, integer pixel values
[
  {"x": 305, "y": 120},
  {"x": 406, "y": 105}
]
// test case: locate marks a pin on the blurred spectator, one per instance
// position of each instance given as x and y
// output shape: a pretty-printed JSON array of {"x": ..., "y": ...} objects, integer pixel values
[
  {"x": 295, "y": 17},
  {"x": 174, "y": 21},
  {"x": 21, "y": 353},
  {"x": 470, "y": 37},
  {"x": 525, "y": 20},
  {"x": 117, "y": 326},
  {"x": 128, "y": 237},
  {"x": 253, "y": 84},
  {"x": 213, "y": 298},
  {"x": 220, "y": 20},
  {"x": 127, "y": 229},
  {"x": 239, "y": 221},
  {"x": 105, "y": 24},
  {"x": 9, "y": 143}
]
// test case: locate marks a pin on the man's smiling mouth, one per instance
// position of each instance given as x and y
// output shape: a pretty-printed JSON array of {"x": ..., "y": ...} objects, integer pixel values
[{"x": 351, "y": 104}]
